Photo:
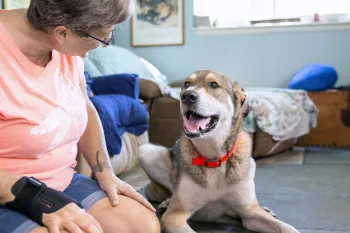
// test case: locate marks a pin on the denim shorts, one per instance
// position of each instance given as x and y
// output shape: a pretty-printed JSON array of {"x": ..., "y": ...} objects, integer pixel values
[{"x": 82, "y": 189}]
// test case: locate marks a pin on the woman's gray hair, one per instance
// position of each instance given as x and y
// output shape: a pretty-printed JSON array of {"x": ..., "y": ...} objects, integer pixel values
[{"x": 78, "y": 15}]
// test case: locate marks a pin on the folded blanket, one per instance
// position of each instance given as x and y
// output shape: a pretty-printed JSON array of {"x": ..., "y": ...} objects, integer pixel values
[
  {"x": 125, "y": 84},
  {"x": 120, "y": 114}
]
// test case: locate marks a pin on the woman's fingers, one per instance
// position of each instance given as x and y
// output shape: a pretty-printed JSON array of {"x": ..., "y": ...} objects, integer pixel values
[
  {"x": 95, "y": 222},
  {"x": 54, "y": 228},
  {"x": 113, "y": 196},
  {"x": 71, "y": 227},
  {"x": 129, "y": 191}
]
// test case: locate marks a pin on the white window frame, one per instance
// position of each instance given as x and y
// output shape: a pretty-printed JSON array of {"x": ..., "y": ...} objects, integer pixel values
[{"x": 305, "y": 23}]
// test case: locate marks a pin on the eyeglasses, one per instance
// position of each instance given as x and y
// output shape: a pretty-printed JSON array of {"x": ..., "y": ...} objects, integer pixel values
[{"x": 106, "y": 41}]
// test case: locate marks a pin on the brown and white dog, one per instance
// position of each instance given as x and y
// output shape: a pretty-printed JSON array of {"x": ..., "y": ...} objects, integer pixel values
[{"x": 209, "y": 172}]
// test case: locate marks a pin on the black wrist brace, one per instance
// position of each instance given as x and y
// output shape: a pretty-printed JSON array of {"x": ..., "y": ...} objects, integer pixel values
[{"x": 33, "y": 198}]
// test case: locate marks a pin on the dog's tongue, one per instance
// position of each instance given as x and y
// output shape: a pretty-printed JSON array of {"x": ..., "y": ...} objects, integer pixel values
[{"x": 195, "y": 122}]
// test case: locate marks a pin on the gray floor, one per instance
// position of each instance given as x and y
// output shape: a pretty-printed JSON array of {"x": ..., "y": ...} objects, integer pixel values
[{"x": 313, "y": 196}]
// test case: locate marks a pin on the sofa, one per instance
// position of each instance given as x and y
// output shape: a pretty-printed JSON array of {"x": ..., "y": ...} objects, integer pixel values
[{"x": 161, "y": 99}]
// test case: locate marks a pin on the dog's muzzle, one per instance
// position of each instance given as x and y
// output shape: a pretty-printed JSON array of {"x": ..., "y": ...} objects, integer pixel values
[{"x": 189, "y": 97}]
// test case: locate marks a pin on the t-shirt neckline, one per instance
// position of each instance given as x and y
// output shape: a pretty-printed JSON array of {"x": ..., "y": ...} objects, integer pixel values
[{"x": 22, "y": 59}]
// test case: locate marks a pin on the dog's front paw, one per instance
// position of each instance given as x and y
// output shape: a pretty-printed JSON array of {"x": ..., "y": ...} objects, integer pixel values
[
  {"x": 269, "y": 211},
  {"x": 178, "y": 229},
  {"x": 164, "y": 204},
  {"x": 175, "y": 223},
  {"x": 289, "y": 229},
  {"x": 181, "y": 230},
  {"x": 232, "y": 214}
]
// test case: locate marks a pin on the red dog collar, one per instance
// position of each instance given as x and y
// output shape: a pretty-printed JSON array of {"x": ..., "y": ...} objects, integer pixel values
[{"x": 212, "y": 163}]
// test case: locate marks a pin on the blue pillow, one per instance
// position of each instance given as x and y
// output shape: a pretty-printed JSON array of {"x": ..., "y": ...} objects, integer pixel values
[
  {"x": 120, "y": 114},
  {"x": 89, "y": 82},
  {"x": 315, "y": 77},
  {"x": 126, "y": 84}
]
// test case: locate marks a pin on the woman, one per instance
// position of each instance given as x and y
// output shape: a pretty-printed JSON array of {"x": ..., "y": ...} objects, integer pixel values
[{"x": 45, "y": 116}]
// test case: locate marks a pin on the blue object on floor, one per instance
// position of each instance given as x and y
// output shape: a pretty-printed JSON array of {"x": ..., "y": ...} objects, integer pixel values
[{"x": 315, "y": 77}]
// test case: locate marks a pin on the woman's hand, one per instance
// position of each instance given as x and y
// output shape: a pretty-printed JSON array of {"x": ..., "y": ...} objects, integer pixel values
[
  {"x": 113, "y": 186},
  {"x": 72, "y": 219}
]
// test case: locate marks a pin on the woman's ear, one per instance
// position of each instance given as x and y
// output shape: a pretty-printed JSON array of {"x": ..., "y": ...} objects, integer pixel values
[{"x": 60, "y": 33}]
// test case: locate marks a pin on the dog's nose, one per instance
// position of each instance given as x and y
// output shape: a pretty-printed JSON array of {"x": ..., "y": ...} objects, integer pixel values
[{"x": 189, "y": 97}]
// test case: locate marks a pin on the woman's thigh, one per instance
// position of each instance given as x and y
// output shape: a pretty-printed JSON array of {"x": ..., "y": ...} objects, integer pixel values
[
  {"x": 128, "y": 216},
  {"x": 84, "y": 190}
]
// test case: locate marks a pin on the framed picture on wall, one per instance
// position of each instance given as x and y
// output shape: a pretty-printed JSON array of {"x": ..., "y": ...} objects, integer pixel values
[
  {"x": 12, "y": 4},
  {"x": 158, "y": 23}
]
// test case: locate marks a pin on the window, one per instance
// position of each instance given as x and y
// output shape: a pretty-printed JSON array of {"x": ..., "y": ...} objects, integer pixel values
[{"x": 233, "y": 13}]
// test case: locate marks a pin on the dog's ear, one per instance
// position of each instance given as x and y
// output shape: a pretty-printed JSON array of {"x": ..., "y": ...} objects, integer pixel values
[
  {"x": 244, "y": 103},
  {"x": 242, "y": 97}
]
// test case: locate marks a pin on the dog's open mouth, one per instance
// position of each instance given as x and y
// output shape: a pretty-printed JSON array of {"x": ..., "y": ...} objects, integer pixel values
[{"x": 196, "y": 124}]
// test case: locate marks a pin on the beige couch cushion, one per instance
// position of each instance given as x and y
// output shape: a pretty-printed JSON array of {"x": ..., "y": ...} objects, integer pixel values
[
  {"x": 165, "y": 122},
  {"x": 126, "y": 160},
  {"x": 148, "y": 89}
]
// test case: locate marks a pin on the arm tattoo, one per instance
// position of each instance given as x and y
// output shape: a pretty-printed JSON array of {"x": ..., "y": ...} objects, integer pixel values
[{"x": 100, "y": 166}]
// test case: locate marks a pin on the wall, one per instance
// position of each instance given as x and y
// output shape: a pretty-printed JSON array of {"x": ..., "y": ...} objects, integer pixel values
[{"x": 262, "y": 59}]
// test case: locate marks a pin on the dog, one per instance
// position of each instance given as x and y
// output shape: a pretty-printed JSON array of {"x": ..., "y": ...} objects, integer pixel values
[{"x": 209, "y": 172}]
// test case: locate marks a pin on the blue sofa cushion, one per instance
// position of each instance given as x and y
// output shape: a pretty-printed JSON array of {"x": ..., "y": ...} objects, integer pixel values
[
  {"x": 125, "y": 84},
  {"x": 120, "y": 114},
  {"x": 315, "y": 77}
]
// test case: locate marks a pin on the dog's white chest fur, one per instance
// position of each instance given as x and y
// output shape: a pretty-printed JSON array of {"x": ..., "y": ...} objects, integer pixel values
[
  {"x": 216, "y": 181},
  {"x": 215, "y": 189}
]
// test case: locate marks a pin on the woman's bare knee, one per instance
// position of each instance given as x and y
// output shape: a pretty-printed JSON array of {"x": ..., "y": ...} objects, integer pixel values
[{"x": 129, "y": 216}]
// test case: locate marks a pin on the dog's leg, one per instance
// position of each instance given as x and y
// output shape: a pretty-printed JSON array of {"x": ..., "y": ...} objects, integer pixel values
[
  {"x": 243, "y": 201},
  {"x": 155, "y": 160},
  {"x": 183, "y": 205},
  {"x": 269, "y": 211},
  {"x": 235, "y": 215},
  {"x": 257, "y": 219},
  {"x": 174, "y": 220}
]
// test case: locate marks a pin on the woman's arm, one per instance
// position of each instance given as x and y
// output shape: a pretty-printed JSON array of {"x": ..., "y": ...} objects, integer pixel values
[
  {"x": 92, "y": 142},
  {"x": 93, "y": 147},
  {"x": 7, "y": 180}
]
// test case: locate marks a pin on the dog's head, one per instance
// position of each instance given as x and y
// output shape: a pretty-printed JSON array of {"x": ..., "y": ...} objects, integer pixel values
[{"x": 211, "y": 103}]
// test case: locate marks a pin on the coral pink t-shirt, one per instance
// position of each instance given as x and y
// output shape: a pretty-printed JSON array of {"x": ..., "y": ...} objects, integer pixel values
[{"x": 42, "y": 114}]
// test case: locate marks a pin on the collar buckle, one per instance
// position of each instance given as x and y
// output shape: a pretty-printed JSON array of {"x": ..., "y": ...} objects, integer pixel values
[{"x": 210, "y": 163}]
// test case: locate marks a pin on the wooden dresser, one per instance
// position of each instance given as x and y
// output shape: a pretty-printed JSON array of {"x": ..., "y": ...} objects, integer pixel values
[{"x": 333, "y": 124}]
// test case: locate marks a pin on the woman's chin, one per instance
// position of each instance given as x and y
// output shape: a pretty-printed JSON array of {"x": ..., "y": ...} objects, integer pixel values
[{"x": 84, "y": 55}]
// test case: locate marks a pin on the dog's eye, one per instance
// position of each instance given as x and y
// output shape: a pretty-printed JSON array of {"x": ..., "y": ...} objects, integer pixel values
[
  {"x": 213, "y": 84},
  {"x": 186, "y": 84}
]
